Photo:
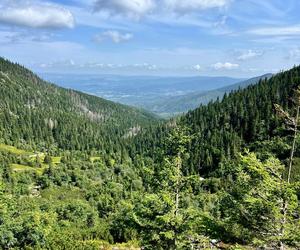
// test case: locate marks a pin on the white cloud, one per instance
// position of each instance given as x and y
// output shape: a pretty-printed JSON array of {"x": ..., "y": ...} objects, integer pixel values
[
  {"x": 249, "y": 55},
  {"x": 225, "y": 66},
  {"x": 277, "y": 31},
  {"x": 113, "y": 35},
  {"x": 134, "y": 8},
  {"x": 138, "y": 8},
  {"x": 197, "y": 67},
  {"x": 35, "y": 15},
  {"x": 192, "y": 5}
]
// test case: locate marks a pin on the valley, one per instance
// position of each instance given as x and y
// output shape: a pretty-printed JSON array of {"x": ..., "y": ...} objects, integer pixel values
[
  {"x": 88, "y": 173},
  {"x": 152, "y": 93}
]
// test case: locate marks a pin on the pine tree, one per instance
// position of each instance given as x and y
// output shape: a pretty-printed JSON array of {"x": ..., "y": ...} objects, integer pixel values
[{"x": 252, "y": 206}]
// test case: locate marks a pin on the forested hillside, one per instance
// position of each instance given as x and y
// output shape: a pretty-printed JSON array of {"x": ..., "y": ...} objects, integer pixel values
[
  {"x": 244, "y": 118},
  {"x": 34, "y": 112},
  {"x": 220, "y": 129},
  {"x": 73, "y": 176}
]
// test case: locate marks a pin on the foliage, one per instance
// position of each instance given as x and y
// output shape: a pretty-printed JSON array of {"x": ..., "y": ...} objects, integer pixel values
[{"x": 72, "y": 178}]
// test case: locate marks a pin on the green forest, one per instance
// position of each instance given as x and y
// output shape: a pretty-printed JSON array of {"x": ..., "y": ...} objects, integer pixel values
[{"x": 81, "y": 172}]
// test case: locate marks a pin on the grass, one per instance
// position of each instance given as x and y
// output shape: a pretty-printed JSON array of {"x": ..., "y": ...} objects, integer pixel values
[
  {"x": 20, "y": 167},
  {"x": 13, "y": 150},
  {"x": 95, "y": 158},
  {"x": 56, "y": 159},
  {"x": 34, "y": 155},
  {"x": 31, "y": 155},
  {"x": 63, "y": 193}
]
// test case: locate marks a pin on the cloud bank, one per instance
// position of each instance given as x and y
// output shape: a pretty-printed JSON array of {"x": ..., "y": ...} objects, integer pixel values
[
  {"x": 128, "y": 7},
  {"x": 192, "y": 5},
  {"x": 139, "y": 8},
  {"x": 35, "y": 15}
]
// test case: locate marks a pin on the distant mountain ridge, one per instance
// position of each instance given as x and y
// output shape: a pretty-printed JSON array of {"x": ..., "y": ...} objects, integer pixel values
[
  {"x": 140, "y": 91},
  {"x": 181, "y": 104},
  {"x": 164, "y": 96}
]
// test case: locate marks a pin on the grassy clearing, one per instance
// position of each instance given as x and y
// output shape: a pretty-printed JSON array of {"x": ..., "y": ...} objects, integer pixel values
[
  {"x": 22, "y": 168},
  {"x": 14, "y": 150},
  {"x": 95, "y": 158},
  {"x": 62, "y": 193},
  {"x": 31, "y": 156},
  {"x": 40, "y": 155},
  {"x": 56, "y": 159}
]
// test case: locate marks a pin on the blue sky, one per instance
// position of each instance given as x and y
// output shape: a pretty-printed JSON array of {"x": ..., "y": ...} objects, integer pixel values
[{"x": 239, "y": 38}]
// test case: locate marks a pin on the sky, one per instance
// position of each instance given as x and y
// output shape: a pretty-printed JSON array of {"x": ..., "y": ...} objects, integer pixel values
[{"x": 238, "y": 38}]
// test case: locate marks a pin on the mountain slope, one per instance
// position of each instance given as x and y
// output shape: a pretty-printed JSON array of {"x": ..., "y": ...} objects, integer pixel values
[
  {"x": 33, "y": 111},
  {"x": 244, "y": 118},
  {"x": 183, "y": 103}
]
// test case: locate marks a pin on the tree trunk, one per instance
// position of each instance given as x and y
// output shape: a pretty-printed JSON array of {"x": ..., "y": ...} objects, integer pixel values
[
  {"x": 285, "y": 203},
  {"x": 293, "y": 146}
]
